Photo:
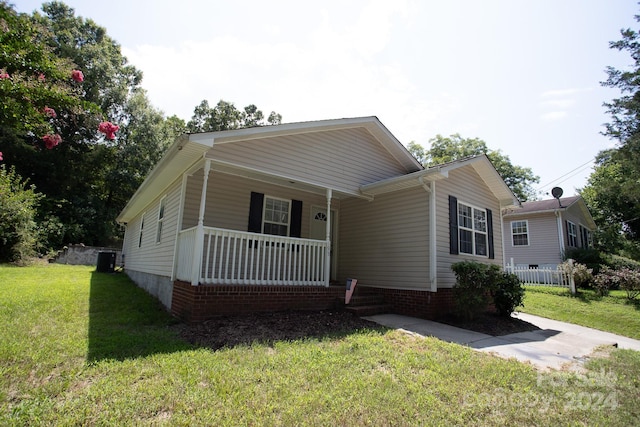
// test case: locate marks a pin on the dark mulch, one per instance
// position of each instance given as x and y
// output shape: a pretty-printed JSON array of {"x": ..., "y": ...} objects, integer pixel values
[
  {"x": 490, "y": 324},
  {"x": 266, "y": 328}
]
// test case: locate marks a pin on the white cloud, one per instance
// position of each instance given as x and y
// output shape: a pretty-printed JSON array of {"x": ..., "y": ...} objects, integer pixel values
[{"x": 554, "y": 115}]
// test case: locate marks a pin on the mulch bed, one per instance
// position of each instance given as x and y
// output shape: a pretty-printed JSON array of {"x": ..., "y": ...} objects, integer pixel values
[{"x": 266, "y": 328}]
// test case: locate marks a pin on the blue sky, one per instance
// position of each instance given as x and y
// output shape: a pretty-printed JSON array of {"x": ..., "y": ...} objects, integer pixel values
[{"x": 522, "y": 75}]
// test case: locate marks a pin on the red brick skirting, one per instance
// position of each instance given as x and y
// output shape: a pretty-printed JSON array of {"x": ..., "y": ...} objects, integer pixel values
[
  {"x": 422, "y": 304},
  {"x": 199, "y": 303}
]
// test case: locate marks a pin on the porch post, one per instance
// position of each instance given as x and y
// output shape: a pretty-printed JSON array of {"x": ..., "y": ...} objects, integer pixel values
[
  {"x": 327, "y": 265},
  {"x": 199, "y": 241}
]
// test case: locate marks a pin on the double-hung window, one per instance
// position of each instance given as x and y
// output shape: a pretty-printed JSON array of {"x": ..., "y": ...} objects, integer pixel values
[
  {"x": 520, "y": 233},
  {"x": 472, "y": 223},
  {"x": 276, "y": 216},
  {"x": 572, "y": 235}
]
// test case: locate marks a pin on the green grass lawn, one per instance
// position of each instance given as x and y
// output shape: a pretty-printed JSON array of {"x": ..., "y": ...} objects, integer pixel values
[
  {"x": 84, "y": 348},
  {"x": 613, "y": 313}
]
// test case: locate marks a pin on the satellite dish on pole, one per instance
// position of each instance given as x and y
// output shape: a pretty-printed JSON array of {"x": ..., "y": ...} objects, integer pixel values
[{"x": 557, "y": 193}]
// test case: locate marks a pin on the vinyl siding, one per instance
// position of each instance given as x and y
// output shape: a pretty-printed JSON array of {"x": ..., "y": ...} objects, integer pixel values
[
  {"x": 151, "y": 257},
  {"x": 575, "y": 215},
  {"x": 469, "y": 188},
  {"x": 385, "y": 242},
  {"x": 544, "y": 246},
  {"x": 342, "y": 159},
  {"x": 229, "y": 197}
]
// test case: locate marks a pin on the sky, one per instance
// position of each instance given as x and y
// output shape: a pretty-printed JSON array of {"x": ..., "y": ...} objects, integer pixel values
[{"x": 522, "y": 75}]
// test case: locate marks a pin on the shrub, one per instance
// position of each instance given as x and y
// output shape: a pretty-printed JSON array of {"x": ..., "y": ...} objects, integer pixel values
[
  {"x": 618, "y": 262},
  {"x": 582, "y": 276},
  {"x": 473, "y": 287},
  {"x": 629, "y": 281},
  {"x": 605, "y": 280},
  {"x": 590, "y": 257},
  {"x": 508, "y": 293}
]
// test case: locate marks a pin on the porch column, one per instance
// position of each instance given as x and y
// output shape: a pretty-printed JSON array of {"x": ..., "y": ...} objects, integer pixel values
[
  {"x": 327, "y": 261},
  {"x": 196, "y": 267}
]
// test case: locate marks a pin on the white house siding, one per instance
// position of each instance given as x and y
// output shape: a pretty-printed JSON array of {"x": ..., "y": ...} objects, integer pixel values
[
  {"x": 469, "y": 188},
  {"x": 385, "y": 242},
  {"x": 544, "y": 245},
  {"x": 228, "y": 201},
  {"x": 341, "y": 159},
  {"x": 151, "y": 257}
]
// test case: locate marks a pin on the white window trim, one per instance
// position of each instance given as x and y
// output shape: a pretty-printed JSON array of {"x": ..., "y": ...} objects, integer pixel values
[
  {"x": 264, "y": 210},
  {"x": 162, "y": 208},
  {"x": 526, "y": 221},
  {"x": 473, "y": 231},
  {"x": 571, "y": 235}
]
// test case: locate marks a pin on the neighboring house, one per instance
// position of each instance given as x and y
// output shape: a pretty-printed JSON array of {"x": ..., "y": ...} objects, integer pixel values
[
  {"x": 540, "y": 233},
  {"x": 269, "y": 218}
]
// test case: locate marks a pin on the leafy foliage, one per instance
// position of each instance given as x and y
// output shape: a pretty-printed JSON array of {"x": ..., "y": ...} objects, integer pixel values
[
  {"x": 479, "y": 284},
  {"x": 612, "y": 192},
  {"x": 225, "y": 116},
  {"x": 582, "y": 275},
  {"x": 623, "y": 278},
  {"x": 18, "y": 229},
  {"x": 455, "y": 147}
]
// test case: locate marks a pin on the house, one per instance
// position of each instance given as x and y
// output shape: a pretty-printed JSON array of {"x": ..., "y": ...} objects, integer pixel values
[
  {"x": 278, "y": 217},
  {"x": 539, "y": 234}
]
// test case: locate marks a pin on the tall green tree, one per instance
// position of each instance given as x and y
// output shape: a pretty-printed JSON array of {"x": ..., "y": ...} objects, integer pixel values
[
  {"x": 455, "y": 147},
  {"x": 613, "y": 189},
  {"x": 225, "y": 116}
]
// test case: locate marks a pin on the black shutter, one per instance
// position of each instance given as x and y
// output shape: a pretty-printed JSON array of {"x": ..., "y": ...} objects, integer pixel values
[
  {"x": 492, "y": 254},
  {"x": 453, "y": 225},
  {"x": 255, "y": 213},
  {"x": 296, "y": 218}
]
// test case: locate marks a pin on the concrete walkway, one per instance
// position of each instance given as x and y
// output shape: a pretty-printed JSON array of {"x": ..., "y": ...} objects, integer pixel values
[{"x": 555, "y": 344}]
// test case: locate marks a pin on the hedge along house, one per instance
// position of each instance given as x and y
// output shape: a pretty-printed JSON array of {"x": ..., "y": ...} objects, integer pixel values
[{"x": 268, "y": 218}]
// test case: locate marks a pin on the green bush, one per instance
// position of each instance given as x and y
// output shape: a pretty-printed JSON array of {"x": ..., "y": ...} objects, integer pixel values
[
  {"x": 18, "y": 228},
  {"x": 618, "y": 262},
  {"x": 606, "y": 280},
  {"x": 508, "y": 293},
  {"x": 592, "y": 258},
  {"x": 478, "y": 284},
  {"x": 629, "y": 282},
  {"x": 582, "y": 276}
]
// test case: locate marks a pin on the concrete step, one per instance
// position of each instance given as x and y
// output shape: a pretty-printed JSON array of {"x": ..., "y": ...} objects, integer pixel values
[{"x": 368, "y": 310}]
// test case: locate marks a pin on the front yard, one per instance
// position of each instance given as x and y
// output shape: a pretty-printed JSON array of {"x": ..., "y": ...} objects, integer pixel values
[{"x": 80, "y": 347}]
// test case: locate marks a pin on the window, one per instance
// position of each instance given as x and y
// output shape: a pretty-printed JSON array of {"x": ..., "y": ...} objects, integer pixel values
[
  {"x": 141, "y": 231},
  {"x": 572, "y": 235},
  {"x": 276, "y": 216},
  {"x": 472, "y": 226},
  {"x": 520, "y": 233},
  {"x": 585, "y": 237},
  {"x": 160, "y": 220}
]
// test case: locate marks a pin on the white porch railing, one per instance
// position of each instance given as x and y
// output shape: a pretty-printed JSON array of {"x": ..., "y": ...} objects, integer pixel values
[{"x": 236, "y": 257}]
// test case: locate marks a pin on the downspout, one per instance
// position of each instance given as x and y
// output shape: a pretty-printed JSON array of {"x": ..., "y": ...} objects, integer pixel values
[
  {"x": 199, "y": 241},
  {"x": 183, "y": 190},
  {"x": 560, "y": 232},
  {"x": 433, "y": 254}
]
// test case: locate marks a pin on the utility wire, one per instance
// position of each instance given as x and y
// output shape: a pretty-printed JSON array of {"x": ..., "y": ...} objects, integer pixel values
[{"x": 572, "y": 172}]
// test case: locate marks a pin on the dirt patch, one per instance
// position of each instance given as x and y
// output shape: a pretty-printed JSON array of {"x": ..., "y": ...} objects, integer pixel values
[{"x": 266, "y": 328}]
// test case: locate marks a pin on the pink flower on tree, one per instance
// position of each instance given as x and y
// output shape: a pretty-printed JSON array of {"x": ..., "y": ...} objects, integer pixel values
[
  {"x": 4, "y": 75},
  {"x": 50, "y": 112},
  {"x": 109, "y": 129},
  {"x": 41, "y": 77},
  {"x": 77, "y": 76},
  {"x": 1, "y": 159},
  {"x": 51, "y": 140}
]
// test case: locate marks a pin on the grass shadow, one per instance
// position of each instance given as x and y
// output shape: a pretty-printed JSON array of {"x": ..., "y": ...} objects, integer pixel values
[{"x": 126, "y": 322}]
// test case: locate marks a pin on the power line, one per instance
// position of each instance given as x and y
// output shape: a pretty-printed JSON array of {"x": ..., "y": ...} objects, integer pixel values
[{"x": 572, "y": 172}]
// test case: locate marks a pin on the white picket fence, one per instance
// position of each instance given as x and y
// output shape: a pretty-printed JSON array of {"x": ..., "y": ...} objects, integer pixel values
[{"x": 542, "y": 276}]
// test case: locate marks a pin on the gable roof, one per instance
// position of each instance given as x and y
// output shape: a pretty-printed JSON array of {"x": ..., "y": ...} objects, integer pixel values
[
  {"x": 553, "y": 205},
  {"x": 188, "y": 150},
  {"x": 481, "y": 164}
]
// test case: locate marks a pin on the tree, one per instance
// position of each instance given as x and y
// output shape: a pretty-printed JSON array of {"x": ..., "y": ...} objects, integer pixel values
[
  {"x": 225, "y": 116},
  {"x": 18, "y": 229},
  {"x": 613, "y": 189},
  {"x": 455, "y": 147}
]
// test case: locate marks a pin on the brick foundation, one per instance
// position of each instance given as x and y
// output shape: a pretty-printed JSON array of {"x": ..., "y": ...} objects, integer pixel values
[
  {"x": 199, "y": 303},
  {"x": 422, "y": 304}
]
